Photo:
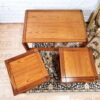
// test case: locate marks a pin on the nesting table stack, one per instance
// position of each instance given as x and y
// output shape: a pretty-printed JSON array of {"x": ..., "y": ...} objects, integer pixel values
[{"x": 76, "y": 64}]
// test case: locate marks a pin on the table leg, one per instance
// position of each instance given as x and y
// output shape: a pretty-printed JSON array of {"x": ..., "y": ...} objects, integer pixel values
[
  {"x": 26, "y": 46},
  {"x": 84, "y": 44}
]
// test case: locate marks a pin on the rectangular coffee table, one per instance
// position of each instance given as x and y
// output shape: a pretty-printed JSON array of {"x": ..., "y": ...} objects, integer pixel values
[{"x": 54, "y": 26}]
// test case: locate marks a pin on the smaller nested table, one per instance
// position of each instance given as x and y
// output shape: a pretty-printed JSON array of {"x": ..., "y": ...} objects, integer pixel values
[
  {"x": 26, "y": 71},
  {"x": 54, "y": 26},
  {"x": 77, "y": 65}
]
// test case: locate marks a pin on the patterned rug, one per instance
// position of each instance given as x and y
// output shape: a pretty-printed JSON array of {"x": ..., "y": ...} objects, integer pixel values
[{"x": 51, "y": 61}]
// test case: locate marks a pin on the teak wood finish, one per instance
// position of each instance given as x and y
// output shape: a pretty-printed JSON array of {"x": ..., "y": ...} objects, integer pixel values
[
  {"x": 77, "y": 65},
  {"x": 54, "y": 26},
  {"x": 26, "y": 71}
]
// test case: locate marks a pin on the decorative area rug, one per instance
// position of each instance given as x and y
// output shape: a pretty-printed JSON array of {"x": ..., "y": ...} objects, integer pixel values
[{"x": 51, "y": 61}]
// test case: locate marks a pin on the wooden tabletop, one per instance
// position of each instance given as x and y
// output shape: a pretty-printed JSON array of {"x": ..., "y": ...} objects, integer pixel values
[
  {"x": 26, "y": 71},
  {"x": 54, "y": 26},
  {"x": 77, "y": 65}
]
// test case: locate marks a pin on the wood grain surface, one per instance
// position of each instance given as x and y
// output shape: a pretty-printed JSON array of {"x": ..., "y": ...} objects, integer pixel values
[
  {"x": 54, "y": 26},
  {"x": 77, "y": 65},
  {"x": 26, "y": 71}
]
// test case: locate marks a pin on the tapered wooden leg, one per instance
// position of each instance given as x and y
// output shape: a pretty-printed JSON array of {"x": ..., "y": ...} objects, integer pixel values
[{"x": 26, "y": 46}]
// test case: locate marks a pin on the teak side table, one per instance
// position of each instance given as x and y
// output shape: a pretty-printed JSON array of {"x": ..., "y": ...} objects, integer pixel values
[
  {"x": 54, "y": 26},
  {"x": 77, "y": 65},
  {"x": 26, "y": 71}
]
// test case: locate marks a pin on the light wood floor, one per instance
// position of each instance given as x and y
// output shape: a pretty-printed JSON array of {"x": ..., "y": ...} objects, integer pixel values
[{"x": 10, "y": 46}]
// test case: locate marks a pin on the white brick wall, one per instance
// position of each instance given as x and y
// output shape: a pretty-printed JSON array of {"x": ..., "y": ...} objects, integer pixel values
[{"x": 13, "y": 10}]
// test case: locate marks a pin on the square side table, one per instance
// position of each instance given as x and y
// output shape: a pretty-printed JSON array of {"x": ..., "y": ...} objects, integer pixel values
[
  {"x": 77, "y": 65},
  {"x": 26, "y": 71}
]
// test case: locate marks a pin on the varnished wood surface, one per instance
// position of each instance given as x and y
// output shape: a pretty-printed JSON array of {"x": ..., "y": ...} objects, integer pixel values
[
  {"x": 77, "y": 65},
  {"x": 26, "y": 71},
  {"x": 54, "y": 26}
]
